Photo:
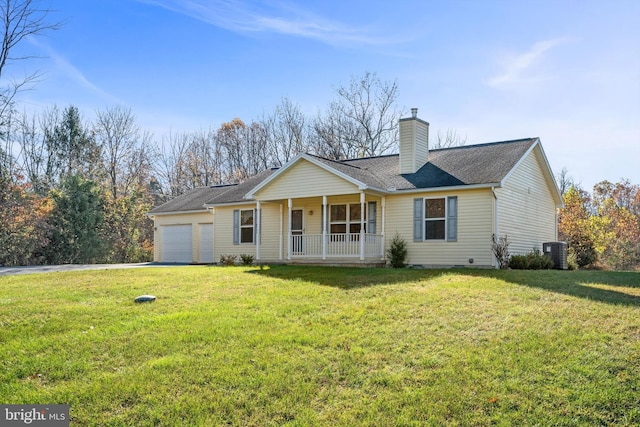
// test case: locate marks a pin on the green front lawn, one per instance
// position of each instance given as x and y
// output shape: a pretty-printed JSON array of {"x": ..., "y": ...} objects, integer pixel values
[{"x": 325, "y": 346}]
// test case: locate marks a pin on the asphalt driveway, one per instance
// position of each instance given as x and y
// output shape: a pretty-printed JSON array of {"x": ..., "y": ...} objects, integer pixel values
[{"x": 8, "y": 271}]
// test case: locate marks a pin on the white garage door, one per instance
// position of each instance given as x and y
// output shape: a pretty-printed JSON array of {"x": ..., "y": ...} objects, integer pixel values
[
  {"x": 176, "y": 243},
  {"x": 206, "y": 243}
]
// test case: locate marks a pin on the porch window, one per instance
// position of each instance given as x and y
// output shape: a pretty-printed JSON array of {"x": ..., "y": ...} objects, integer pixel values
[{"x": 346, "y": 219}]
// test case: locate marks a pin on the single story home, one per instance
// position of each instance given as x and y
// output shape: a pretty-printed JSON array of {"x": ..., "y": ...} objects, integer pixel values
[{"x": 446, "y": 204}]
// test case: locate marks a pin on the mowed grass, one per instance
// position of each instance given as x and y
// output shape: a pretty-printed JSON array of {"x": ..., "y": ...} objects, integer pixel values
[{"x": 324, "y": 346}]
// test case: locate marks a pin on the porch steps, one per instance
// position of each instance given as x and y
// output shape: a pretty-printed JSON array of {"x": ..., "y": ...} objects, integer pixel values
[{"x": 336, "y": 262}]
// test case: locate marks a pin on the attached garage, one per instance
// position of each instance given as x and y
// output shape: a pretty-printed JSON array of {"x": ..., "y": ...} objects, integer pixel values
[{"x": 176, "y": 243}]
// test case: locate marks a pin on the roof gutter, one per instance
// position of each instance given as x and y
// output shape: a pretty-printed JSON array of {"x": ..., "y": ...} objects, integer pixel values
[
  {"x": 441, "y": 189},
  {"x": 152, "y": 214}
]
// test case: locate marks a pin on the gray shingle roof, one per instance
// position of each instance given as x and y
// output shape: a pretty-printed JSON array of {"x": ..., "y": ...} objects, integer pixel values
[
  {"x": 237, "y": 192},
  {"x": 192, "y": 200},
  {"x": 466, "y": 165},
  {"x": 456, "y": 166}
]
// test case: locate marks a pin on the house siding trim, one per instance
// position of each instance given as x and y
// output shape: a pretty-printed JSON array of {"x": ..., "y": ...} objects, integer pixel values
[{"x": 251, "y": 195}]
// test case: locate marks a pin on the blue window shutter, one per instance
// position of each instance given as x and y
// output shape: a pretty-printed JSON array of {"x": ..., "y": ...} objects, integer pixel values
[
  {"x": 371, "y": 218},
  {"x": 255, "y": 226},
  {"x": 418, "y": 220},
  {"x": 452, "y": 218},
  {"x": 327, "y": 227},
  {"x": 236, "y": 227}
]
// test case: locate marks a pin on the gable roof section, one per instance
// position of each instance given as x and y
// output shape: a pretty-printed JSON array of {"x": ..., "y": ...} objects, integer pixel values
[{"x": 360, "y": 177}]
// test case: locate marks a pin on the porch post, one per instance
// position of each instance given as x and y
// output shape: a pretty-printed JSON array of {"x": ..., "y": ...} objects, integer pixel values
[
  {"x": 281, "y": 231},
  {"x": 290, "y": 206},
  {"x": 258, "y": 226},
  {"x": 362, "y": 213},
  {"x": 324, "y": 227},
  {"x": 383, "y": 204}
]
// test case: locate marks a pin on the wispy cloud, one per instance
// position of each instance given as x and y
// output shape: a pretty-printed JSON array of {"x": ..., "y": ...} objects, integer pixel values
[
  {"x": 281, "y": 18},
  {"x": 517, "y": 70},
  {"x": 72, "y": 73}
]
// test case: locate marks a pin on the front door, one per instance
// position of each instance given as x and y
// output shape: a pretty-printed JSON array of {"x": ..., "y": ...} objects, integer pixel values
[{"x": 297, "y": 230}]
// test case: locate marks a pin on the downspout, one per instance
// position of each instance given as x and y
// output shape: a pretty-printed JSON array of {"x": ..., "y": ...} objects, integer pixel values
[
  {"x": 383, "y": 205},
  {"x": 281, "y": 231},
  {"x": 258, "y": 225},
  {"x": 495, "y": 221}
]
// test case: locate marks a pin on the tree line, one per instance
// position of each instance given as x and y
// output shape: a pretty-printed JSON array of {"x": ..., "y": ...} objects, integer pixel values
[{"x": 602, "y": 227}]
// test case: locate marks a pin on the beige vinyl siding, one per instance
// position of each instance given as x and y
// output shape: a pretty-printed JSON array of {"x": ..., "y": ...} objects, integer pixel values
[
  {"x": 269, "y": 236},
  {"x": 475, "y": 226},
  {"x": 414, "y": 145},
  {"x": 305, "y": 179},
  {"x": 407, "y": 149},
  {"x": 206, "y": 243},
  {"x": 526, "y": 210},
  {"x": 193, "y": 219},
  {"x": 223, "y": 233}
]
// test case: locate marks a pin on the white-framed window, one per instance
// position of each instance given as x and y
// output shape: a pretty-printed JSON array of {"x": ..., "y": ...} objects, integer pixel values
[
  {"x": 435, "y": 218},
  {"x": 346, "y": 219},
  {"x": 244, "y": 226}
]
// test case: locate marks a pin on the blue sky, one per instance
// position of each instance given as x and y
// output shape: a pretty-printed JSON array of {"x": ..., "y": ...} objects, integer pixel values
[{"x": 565, "y": 71}]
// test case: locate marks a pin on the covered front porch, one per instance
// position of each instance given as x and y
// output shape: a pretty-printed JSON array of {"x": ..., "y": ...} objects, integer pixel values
[{"x": 337, "y": 230}]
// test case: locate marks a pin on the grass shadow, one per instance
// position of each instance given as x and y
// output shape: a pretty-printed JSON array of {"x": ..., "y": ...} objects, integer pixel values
[
  {"x": 347, "y": 278},
  {"x": 592, "y": 285}
]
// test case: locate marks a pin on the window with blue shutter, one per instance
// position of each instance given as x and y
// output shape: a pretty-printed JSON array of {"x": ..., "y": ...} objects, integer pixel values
[
  {"x": 371, "y": 218},
  {"x": 435, "y": 219},
  {"x": 236, "y": 227},
  {"x": 452, "y": 218},
  {"x": 418, "y": 219}
]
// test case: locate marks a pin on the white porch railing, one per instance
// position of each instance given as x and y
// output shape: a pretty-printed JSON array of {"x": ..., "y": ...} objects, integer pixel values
[{"x": 337, "y": 245}]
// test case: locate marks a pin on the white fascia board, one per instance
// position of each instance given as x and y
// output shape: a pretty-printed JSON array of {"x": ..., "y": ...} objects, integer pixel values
[
  {"x": 546, "y": 170},
  {"x": 219, "y": 205},
  {"x": 519, "y": 162},
  {"x": 149, "y": 214},
  {"x": 445, "y": 189},
  {"x": 283, "y": 168},
  {"x": 311, "y": 159}
]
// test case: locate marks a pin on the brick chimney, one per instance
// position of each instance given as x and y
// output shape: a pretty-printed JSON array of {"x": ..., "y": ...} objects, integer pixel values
[{"x": 414, "y": 143}]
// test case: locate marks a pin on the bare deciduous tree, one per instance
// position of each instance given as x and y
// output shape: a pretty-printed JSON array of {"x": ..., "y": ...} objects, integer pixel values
[
  {"x": 125, "y": 149},
  {"x": 204, "y": 162},
  {"x": 370, "y": 104},
  {"x": 245, "y": 149},
  {"x": 449, "y": 139},
  {"x": 172, "y": 156},
  {"x": 20, "y": 19},
  {"x": 285, "y": 132}
]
